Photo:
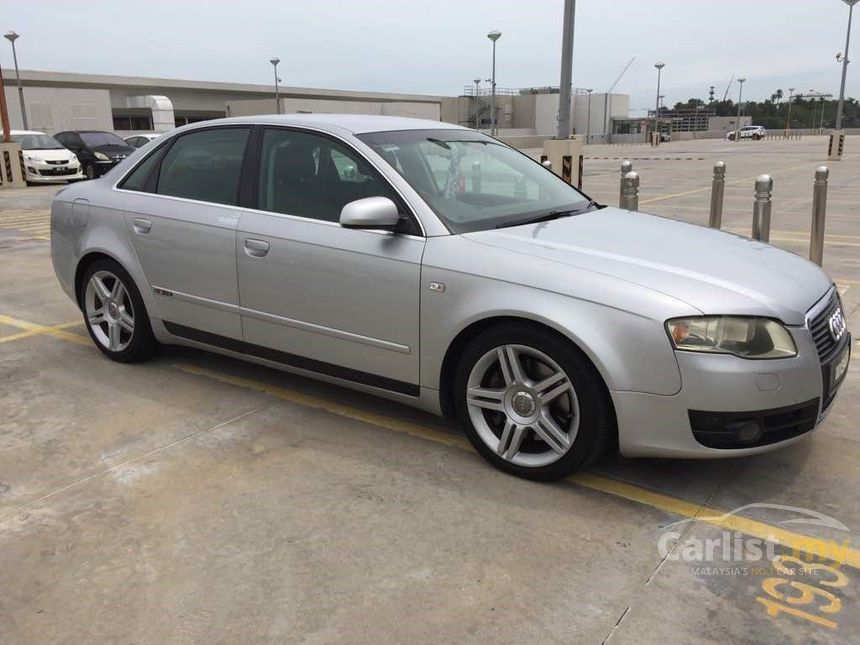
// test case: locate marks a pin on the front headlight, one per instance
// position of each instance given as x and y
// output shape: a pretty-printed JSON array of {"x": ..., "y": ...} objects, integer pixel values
[
  {"x": 745, "y": 337},
  {"x": 102, "y": 157}
]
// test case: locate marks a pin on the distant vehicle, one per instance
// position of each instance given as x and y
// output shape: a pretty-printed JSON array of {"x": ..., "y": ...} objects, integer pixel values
[
  {"x": 748, "y": 132},
  {"x": 140, "y": 140},
  {"x": 45, "y": 158},
  {"x": 665, "y": 137},
  {"x": 97, "y": 151}
]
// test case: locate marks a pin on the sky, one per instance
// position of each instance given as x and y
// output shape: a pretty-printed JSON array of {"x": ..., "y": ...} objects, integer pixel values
[{"x": 439, "y": 46}]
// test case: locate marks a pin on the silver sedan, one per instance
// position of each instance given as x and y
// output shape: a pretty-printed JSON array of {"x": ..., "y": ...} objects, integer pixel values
[{"x": 438, "y": 267}]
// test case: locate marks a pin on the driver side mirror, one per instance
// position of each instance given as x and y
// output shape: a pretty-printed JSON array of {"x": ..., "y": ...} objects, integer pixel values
[{"x": 370, "y": 212}]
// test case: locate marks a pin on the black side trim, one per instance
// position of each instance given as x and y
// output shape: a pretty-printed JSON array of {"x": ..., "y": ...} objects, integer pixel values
[
  {"x": 722, "y": 429},
  {"x": 292, "y": 360}
]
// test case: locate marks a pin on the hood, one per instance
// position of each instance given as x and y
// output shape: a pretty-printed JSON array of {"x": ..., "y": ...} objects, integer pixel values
[
  {"x": 713, "y": 271},
  {"x": 114, "y": 151},
  {"x": 60, "y": 154}
]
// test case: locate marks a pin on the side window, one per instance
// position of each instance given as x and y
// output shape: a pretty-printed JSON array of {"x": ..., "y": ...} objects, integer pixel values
[
  {"x": 204, "y": 165},
  {"x": 310, "y": 176},
  {"x": 138, "y": 178}
]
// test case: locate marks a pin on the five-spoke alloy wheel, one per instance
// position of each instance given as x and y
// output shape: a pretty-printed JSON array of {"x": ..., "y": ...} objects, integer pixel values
[
  {"x": 531, "y": 402},
  {"x": 115, "y": 314}
]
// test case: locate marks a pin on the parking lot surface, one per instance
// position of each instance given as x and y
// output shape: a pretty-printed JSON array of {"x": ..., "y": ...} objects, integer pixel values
[{"x": 194, "y": 497}]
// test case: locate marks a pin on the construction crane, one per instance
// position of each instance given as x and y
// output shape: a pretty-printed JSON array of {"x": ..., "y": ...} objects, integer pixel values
[
  {"x": 729, "y": 86},
  {"x": 607, "y": 107}
]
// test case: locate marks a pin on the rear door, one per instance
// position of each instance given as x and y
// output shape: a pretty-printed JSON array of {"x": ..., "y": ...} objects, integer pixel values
[{"x": 182, "y": 213}]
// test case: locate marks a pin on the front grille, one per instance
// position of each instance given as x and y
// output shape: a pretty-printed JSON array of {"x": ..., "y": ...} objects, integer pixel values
[
  {"x": 58, "y": 163},
  {"x": 820, "y": 328},
  {"x": 53, "y": 172}
]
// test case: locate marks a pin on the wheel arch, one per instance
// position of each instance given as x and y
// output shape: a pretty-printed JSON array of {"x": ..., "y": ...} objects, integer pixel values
[
  {"x": 85, "y": 263},
  {"x": 472, "y": 330}
]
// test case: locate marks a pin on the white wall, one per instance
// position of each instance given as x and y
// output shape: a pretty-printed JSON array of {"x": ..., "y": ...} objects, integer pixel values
[
  {"x": 53, "y": 110},
  {"x": 546, "y": 112}
]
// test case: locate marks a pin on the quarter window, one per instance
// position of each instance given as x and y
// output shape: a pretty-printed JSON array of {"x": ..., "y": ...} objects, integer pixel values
[
  {"x": 205, "y": 165},
  {"x": 311, "y": 176}
]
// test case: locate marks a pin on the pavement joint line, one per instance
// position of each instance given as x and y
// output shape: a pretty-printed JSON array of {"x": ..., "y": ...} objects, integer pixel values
[
  {"x": 797, "y": 542},
  {"x": 38, "y": 332},
  {"x": 154, "y": 451},
  {"x": 48, "y": 330},
  {"x": 730, "y": 183}
]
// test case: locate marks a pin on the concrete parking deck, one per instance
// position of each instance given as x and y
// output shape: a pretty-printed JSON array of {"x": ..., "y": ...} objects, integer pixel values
[{"x": 194, "y": 497}]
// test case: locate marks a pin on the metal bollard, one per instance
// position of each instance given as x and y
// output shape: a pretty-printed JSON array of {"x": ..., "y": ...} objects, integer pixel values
[
  {"x": 630, "y": 192},
  {"x": 626, "y": 167},
  {"x": 819, "y": 210},
  {"x": 476, "y": 176},
  {"x": 717, "y": 192},
  {"x": 761, "y": 208}
]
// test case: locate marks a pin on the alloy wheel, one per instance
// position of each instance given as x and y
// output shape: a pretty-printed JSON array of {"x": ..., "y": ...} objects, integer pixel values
[
  {"x": 109, "y": 311},
  {"x": 522, "y": 405}
]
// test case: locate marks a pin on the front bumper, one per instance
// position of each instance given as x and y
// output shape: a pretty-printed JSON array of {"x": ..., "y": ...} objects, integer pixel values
[
  {"x": 723, "y": 399},
  {"x": 44, "y": 173}
]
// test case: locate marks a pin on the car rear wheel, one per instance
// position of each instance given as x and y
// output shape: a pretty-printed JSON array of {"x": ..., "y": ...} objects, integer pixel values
[
  {"x": 531, "y": 403},
  {"x": 115, "y": 315}
]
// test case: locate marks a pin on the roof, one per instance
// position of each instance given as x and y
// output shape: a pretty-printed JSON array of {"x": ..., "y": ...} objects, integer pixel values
[
  {"x": 352, "y": 123},
  {"x": 11, "y": 132}
]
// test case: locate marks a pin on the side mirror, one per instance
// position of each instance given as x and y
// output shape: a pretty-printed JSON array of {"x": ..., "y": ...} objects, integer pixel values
[{"x": 370, "y": 212}]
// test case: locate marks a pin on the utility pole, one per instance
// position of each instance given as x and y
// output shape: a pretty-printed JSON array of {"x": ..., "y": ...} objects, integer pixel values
[
  {"x": 839, "y": 109},
  {"x": 566, "y": 81}
]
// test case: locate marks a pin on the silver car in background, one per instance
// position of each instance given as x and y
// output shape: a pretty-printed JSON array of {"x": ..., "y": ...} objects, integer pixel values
[{"x": 438, "y": 267}]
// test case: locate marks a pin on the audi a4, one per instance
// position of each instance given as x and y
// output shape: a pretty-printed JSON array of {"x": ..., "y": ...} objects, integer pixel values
[{"x": 436, "y": 266}]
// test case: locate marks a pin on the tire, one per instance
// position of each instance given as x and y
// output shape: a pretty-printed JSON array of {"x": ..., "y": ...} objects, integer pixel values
[
  {"x": 757, "y": 137},
  {"x": 504, "y": 415},
  {"x": 114, "y": 313},
  {"x": 89, "y": 171}
]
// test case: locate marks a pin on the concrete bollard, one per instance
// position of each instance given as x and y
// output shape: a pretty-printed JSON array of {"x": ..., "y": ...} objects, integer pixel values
[
  {"x": 762, "y": 207},
  {"x": 626, "y": 167},
  {"x": 630, "y": 192},
  {"x": 717, "y": 192},
  {"x": 819, "y": 211}
]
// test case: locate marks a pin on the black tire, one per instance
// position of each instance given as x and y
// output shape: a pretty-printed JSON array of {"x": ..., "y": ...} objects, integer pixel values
[
  {"x": 596, "y": 417},
  {"x": 142, "y": 343},
  {"x": 757, "y": 137},
  {"x": 89, "y": 171}
]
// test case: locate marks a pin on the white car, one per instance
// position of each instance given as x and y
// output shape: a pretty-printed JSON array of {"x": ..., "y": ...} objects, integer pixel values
[
  {"x": 140, "y": 140},
  {"x": 46, "y": 160},
  {"x": 748, "y": 132}
]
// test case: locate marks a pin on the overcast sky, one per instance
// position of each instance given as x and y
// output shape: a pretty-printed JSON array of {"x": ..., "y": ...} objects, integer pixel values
[{"x": 438, "y": 46}]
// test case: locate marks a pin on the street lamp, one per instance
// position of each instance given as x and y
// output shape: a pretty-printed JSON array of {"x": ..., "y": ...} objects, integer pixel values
[
  {"x": 850, "y": 4},
  {"x": 477, "y": 82},
  {"x": 588, "y": 127},
  {"x": 494, "y": 35},
  {"x": 274, "y": 61},
  {"x": 740, "y": 97},
  {"x": 12, "y": 37},
  {"x": 659, "y": 67}
]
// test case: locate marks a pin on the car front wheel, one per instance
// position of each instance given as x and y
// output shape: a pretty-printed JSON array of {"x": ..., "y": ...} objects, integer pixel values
[
  {"x": 531, "y": 403},
  {"x": 115, "y": 315}
]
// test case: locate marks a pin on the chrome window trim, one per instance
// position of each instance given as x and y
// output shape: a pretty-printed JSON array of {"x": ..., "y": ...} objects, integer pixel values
[{"x": 350, "y": 144}]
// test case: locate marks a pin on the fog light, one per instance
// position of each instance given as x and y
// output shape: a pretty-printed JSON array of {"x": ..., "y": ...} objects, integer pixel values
[{"x": 746, "y": 432}]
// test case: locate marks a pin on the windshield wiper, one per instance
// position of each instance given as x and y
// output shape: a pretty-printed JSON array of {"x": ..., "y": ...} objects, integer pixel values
[{"x": 546, "y": 217}]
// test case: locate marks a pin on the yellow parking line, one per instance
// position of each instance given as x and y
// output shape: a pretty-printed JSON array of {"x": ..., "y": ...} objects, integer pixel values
[
  {"x": 56, "y": 331},
  {"x": 795, "y": 541},
  {"x": 37, "y": 332}
]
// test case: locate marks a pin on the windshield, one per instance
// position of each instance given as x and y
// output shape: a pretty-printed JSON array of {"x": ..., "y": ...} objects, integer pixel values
[
  {"x": 471, "y": 181},
  {"x": 98, "y": 139},
  {"x": 36, "y": 142}
]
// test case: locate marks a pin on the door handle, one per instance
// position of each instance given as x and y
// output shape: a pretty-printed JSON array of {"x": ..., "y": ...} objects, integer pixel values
[
  {"x": 256, "y": 248},
  {"x": 142, "y": 226}
]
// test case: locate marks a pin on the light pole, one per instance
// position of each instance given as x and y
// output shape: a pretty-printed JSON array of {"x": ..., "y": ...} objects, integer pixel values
[
  {"x": 494, "y": 36},
  {"x": 850, "y": 4},
  {"x": 12, "y": 37},
  {"x": 477, "y": 103},
  {"x": 788, "y": 118},
  {"x": 588, "y": 126},
  {"x": 659, "y": 67},
  {"x": 566, "y": 82},
  {"x": 274, "y": 61},
  {"x": 740, "y": 98}
]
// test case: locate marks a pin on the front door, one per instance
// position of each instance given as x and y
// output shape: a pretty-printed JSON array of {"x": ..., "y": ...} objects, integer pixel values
[{"x": 336, "y": 301}]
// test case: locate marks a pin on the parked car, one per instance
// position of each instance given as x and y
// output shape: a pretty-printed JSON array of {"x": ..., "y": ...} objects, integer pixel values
[
  {"x": 140, "y": 140},
  {"x": 97, "y": 151},
  {"x": 45, "y": 159},
  {"x": 374, "y": 252},
  {"x": 748, "y": 132},
  {"x": 665, "y": 137}
]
